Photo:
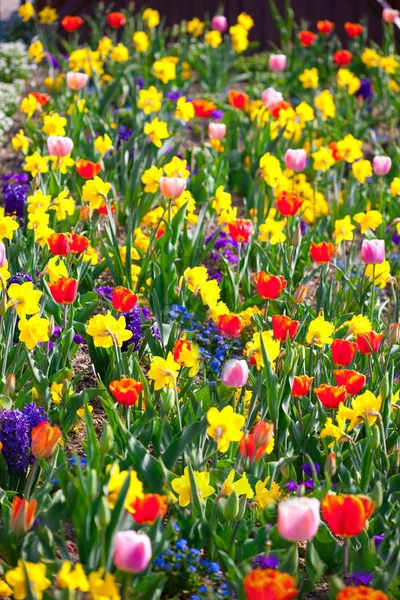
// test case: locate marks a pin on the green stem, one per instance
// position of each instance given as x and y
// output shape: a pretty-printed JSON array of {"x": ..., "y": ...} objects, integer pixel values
[
  {"x": 345, "y": 563},
  {"x": 31, "y": 477},
  {"x": 178, "y": 410},
  {"x": 373, "y": 293}
]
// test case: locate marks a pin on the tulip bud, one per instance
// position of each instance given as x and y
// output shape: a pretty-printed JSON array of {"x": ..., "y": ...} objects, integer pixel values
[
  {"x": 375, "y": 438},
  {"x": 22, "y": 515},
  {"x": 85, "y": 213},
  {"x": 277, "y": 62},
  {"x": 235, "y": 373},
  {"x": 44, "y": 439},
  {"x": 219, "y": 23},
  {"x": 3, "y": 304},
  {"x": 389, "y": 15},
  {"x": 9, "y": 386},
  {"x": 393, "y": 333},
  {"x": 384, "y": 388},
  {"x": 295, "y": 160},
  {"x": 103, "y": 512},
  {"x": 231, "y": 507},
  {"x": 288, "y": 362},
  {"x": 300, "y": 294},
  {"x": 59, "y": 146},
  {"x": 65, "y": 387},
  {"x": 175, "y": 30},
  {"x": 262, "y": 433},
  {"x": 377, "y": 494},
  {"x": 3, "y": 256},
  {"x": 373, "y": 251},
  {"x": 76, "y": 81},
  {"x": 132, "y": 551},
  {"x": 168, "y": 400},
  {"x": 298, "y": 519},
  {"x": 172, "y": 187},
  {"x": 51, "y": 326},
  {"x": 107, "y": 438},
  {"x": 242, "y": 508},
  {"x": 297, "y": 237},
  {"x": 330, "y": 465}
]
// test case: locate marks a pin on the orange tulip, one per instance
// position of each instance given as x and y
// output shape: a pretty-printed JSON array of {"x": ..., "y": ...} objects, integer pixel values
[
  {"x": 322, "y": 252},
  {"x": 301, "y": 385},
  {"x": 369, "y": 342},
  {"x": 123, "y": 299},
  {"x": 346, "y": 515},
  {"x": 352, "y": 381},
  {"x": 269, "y": 584},
  {"x": 44, "y": 439},
  {"x": 353, "y": 29},
  {"x": 307, "y": 38},
  {"x": 78, "y": 243},
  {"x": 238, "y": 99},
  {"x": 361, "y": 592},
  {"x": 254, "y": 445},
  {"x": 241, "y": 230},
  {"x": 325, "y": 27},
  {"x": 203, "y": 108},
  {"x": 64, "y": 291},
  {"x": 331, "y": 396},
  {"x": 343, "y": 352},
  {"x": 289, "y": 203},
  {"x": 283, "y": 326},
  {"x": 126, "y": 390},
  {"x": 269, "y": 286},
  {"x": 87, "y": 169},
  {"x": 230, "y": 325},
  {"x": 41, "y": 98},
  {"x": 149, "y": 508},
  {"x": 22, "y": 515}
]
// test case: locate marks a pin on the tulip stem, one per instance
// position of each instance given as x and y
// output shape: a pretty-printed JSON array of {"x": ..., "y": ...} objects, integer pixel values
[
  {"x": 266, "y": 311},
  {"x": 373, "y": 293},
  {"x": 178, "y": 410},
  {"x": 346, "y": 549},
  {"x": 31, "y": 477}
]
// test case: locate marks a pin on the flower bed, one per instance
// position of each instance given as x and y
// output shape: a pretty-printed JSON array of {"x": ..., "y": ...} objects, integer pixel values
[{"x": 200, "y": 314}]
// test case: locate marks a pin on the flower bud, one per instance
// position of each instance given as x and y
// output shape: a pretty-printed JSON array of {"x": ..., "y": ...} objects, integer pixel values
[
  {"x": 76, "y": 81},
  {"x": 277, "y": 63},
  {"x": 393, "y": 333},
  {"x": 168, "y": 400},
  {"x": 330, "y": 465},
  {"x": 9, "y": 386},
  {"x": 22, "y": 515},
  {"x": 384, "y": 388},
  {"x": 375, "y": 437},
  {"x": 288, "y": 362},
  {"x": 51, "y": 326},
  {"x": 172, "y": 187},
  {"x": 377, "y": 494},
  {"x": 297, "y": 237},
  {"x": 389, "y": 15},
  {"x": 132, "y": 551},
  {"x": 300, "y": 294},
  {"x": 235, "y": 373},
  {"x": 381, "y": 165},
  {"x": 107, "y": 438},
  {"x": 85, "y": 213},
  {"x": 262, "y": 433},
  {"x": 44, "y": 439},
  {"x": 3, "y": 255},
  {"x": 242, "y": 508},
  {"x": 295, "y": 160},
  {"x": 231, "y": 507},
  {"x": 59, "y": 146},
  {"x": 103, "y": 512},
  {"x": 3, "y": 305},
  {"x": 219, "y": 23}
]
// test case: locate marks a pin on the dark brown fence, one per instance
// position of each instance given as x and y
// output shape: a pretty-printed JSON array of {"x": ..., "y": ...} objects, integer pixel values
[{"x": 264, "y": 30}]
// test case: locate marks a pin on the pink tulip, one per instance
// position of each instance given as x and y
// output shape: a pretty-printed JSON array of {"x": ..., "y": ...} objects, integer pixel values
[
  {"x": 58, "y": 145},
  {"x": 277, "y": 62},
  {"x": 216, "y": 131},
  {"x": 76, "y": 81},
  {"x": 389, "y": 15},
  {"x": 295, "y": 159},
  {"x": 373, "y": 251},
  {"x": 172, "y": 187},
  {"x": 3, "y": 256},
  {"x": 298, "y": 519},
  {"x": 219, "y": 23},
  {"x": 132, "y": 551},
  {"x": 271, "y": 98},
  {"x": 235, "y": 373},
  {"x": 382, "y": 165}
]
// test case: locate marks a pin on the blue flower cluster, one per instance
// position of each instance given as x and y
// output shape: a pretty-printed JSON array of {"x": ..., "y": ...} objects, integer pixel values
[
  {"x": 15, "y": 435},
  {"x": 188, "y": 570},
  {"x": 214, "y": 348}
]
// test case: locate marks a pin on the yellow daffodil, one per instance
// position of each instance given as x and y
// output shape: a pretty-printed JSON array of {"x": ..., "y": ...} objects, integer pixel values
[
  {"x": 369, "y": 220},
  {"x": 36, "y": 51},
  {"x": 95, "y": 192},
  {"x": 120, "y": 53},
  {"x": 350, "y": 148},
  {"x": 7, "y": 226},
  {"x": 343, "y": 230},
  {"x": 195, "y": 27},
  {"x": 324, "y": 101},
  {"x": 54, "y": 125},
  {"x": 72, "y": 577},
  {"x": 184, "y": 110},
  {"x": 156, "y": 130},
  {"x": 309, "y": 78},
  {"x": 106, "y": 330},
  {"x": 115, "y": 484},
  {"x": 151, "y": 178},
  {"x": 254, "y": 348},
  {"x": 20, "y": 142},
  {"x": 241, "y": 486},
  {"x": 26, "y": 11},
  {"x": 224, "y": 426},
  {"x": 102, "y": 144},
  {"x": 103, "y": 586},
  {"x": 382, "y": 273},
  {"x": 36, "y": 573},
  {"x": 150, "y": 100},
  {"x": 163, "y": 371},
  {"x": 29, "y": 105},
  {"x": 362, "y": 169},
  {"x": 33, "y": 331},
  {"x": 267, "y": 497},
  {"x": 24, "y": 299},
  {"x": 358, "y": 324},
  {"x": 141, "y": 41},
  {"x": 151, "y": 17},
  {"x": 181, "y": 486},
  {"x": 177, "y": 167},
  {"x": 320, "y": 332},
  {"x": 213, "y": 38}
]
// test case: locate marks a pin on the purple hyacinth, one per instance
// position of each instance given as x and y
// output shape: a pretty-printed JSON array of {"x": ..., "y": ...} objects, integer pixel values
[
  {"x": 124, "y": 133},
  {"x": 20, "y": 278},
  {"x": 361, "y": 578},
  {"x": 265, "y": 562},
  {"x": 105, "y": 291},
  {"x": 15, "y": 197},
  {"x": 307, "y": 469},
  {"x": 133, "y": 320},
  {"x": 34, "y": 414},
  {"x": 15, "y": 437}
]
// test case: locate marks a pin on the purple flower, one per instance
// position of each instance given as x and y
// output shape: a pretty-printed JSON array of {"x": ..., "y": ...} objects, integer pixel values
[
  {"x": 34, "y": 414},
  {"x": 20, "y": 278},
  {"x": 105, "y": 291},
  {"x": 378, "y": 539},
  {"x": 78, "y": 339},
  {"x": 217, "y": 114},
  {"x": 174, "y": 96},
  {"x": 265, "y": 562},
  {"x": 362, "y": 578},
  {"x": 291, "y": 486},
  {"x": 52, "y": 61},
  {"x": 15, "y": 197},
  {"x": 307, "y": 469},
  {"x": 309, "y": 484},
  {"x": 365, "y": 90},
  {"x": 15, "y": 437},
  {"x": 134, "y": 324}
]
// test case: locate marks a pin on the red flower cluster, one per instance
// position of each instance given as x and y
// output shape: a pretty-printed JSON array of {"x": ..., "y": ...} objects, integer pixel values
[{"x": 61, "y": 244}]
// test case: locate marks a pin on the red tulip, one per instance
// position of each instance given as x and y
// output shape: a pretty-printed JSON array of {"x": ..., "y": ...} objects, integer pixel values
[
  {"x": 116, "y": 19},
  {"x": 343, "y": 352},
  {"x": 307, "y": 38},
  {"x": 353, "y": 29},
  {"x": 289, "y": 203},
  {"x": 123, "y": 299},
  {"x": 269, "y": 286},
  {"x": 241, "y": 230},
  {"x": 301, "y": 385},
  {"x": 283, "y": 326},
  {"x": 71, "y": 23},
  {"x": 126, "y": 390},
  {"x": 325, "y": 27},
  {"x": 64, "y": 291},
  {"x": 238, "y": 99},
  {"x": 353, "y": 381},
  {"x": 22, "y": 515},
  {"x": 148, "y": 508},
  {"x": 87, "y": 169},
  {"x": 331, "y": 396},
  {"x": 322, "y": 252},
  {"x": 342, "y": 57},
  {"x": 59, "y": 244},
  {"x": 230, "y": 325},
  {"x": 369, "y": 342}
]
